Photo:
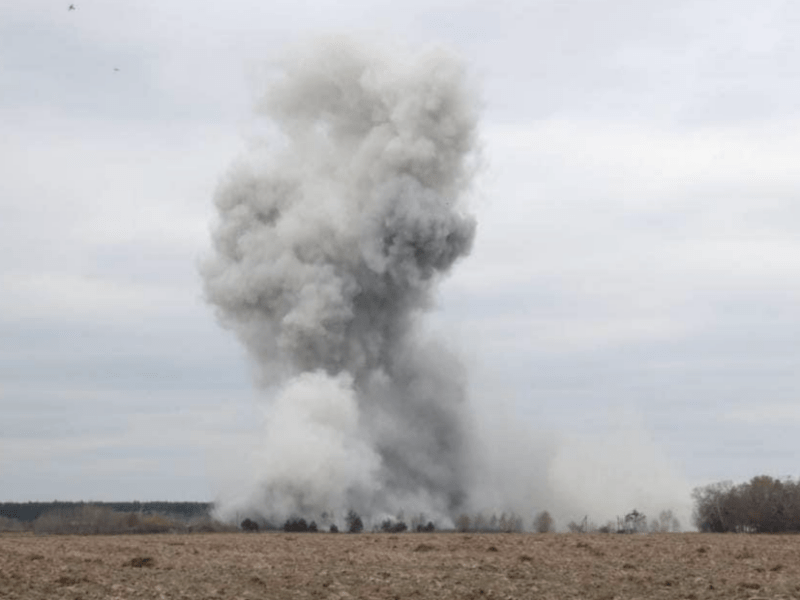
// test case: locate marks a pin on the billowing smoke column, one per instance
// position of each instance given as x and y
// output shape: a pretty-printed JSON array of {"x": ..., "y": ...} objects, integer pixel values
[{"x": 329, "y": 246}]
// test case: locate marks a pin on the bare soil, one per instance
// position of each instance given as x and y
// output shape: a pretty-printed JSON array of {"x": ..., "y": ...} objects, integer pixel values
[{"x": 409, "y": 565}]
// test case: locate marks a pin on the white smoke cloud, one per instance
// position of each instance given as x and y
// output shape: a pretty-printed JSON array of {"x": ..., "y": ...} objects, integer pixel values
[
  {"x": 332, "y": 237},
  {"x": 329, "y": 246},
  {"x": 314, "y": 451}
]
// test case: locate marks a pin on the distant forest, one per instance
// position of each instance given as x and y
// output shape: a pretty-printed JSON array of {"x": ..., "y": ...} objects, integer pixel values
[
  {"x": 28, "y": 512},
  {"x": 762, "y": 505}
]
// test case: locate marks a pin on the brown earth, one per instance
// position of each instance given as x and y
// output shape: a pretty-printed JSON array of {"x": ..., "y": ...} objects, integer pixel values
[{"x": 408, "y": 565}]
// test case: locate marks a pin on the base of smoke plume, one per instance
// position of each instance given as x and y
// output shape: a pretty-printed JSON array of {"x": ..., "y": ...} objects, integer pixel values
[
  {"x": 520, "y": 472},
  {"x": 481, "y": 522}
]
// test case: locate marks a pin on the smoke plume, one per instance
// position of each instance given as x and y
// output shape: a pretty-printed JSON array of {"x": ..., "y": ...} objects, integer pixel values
[{"x": 330, "y": 242}]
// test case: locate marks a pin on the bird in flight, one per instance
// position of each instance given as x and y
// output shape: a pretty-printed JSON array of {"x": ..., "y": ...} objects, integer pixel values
[{"x": 71, "y": 7}]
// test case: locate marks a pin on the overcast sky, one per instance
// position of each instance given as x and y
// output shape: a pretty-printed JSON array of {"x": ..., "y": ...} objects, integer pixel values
[{"x": 633, "y": 290}]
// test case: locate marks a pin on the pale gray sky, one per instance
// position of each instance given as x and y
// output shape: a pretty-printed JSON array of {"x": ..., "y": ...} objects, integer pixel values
[{"x": 633, "y": 291}]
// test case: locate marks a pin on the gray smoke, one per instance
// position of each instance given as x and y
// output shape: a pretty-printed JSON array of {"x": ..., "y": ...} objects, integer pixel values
[{"x": 330, "y": 243}]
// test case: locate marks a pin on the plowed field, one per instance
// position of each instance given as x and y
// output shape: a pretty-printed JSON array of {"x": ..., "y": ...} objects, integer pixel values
[{"x": 409, "y": 565}]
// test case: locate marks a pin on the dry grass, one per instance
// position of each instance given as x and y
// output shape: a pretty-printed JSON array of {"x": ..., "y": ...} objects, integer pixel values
[
  {"x": 7, "y": 524},
  {"x": 411, "y": 565}
]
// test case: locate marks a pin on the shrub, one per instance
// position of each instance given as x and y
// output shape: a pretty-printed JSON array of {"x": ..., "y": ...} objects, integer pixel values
[
  {"x": 354, "y": 522},
  {"x": 156, "y": 524},
  {"x": 635, "y": 522},
  {"x": 543, "y": 522},
  {"x": 90, "y": 519},
  {"x": 334, "y": 529},
  {"x": 510, "y": 523},
  {"x": 131, "y": 520},
  {"x": 296, "y": 525},
  {"x": 582, "y": 527},
  {"x": 426, "y": 528},
  {"x": 208, "y": 524},
  {"x": 7, "y": 524},
  {"x": 249, "y": 525},
  {"x": 81, "y": 520},
  {"x": 393, "y": 527},
  {"x": 312, "y": 527}
]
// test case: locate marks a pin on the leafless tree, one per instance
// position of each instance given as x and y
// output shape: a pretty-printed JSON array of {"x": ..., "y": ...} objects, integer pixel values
[{"x": 543, "y": 522}]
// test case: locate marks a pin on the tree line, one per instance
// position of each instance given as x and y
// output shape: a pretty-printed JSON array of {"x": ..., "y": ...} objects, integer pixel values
[
  {"x": 761, "y": 505},
  {"x": 27, "y": 512}
]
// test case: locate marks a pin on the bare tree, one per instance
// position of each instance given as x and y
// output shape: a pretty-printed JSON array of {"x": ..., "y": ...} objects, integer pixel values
[
  {"x": 543, "y": 522},
  {"x": 666, "y": 522},
  {"x": 635, "y": 522},
  {"x": 582, "y": 527},
  {"x": 714, "y": 509}
]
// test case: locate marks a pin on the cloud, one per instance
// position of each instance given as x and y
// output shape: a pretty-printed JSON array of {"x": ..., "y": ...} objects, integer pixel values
[
  {"x": 765, "y": 414},
  {"x": 638, "y": 219}
]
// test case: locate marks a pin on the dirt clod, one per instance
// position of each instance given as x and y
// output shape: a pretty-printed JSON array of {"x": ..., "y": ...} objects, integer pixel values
[{"x": 141, "y": 561}]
